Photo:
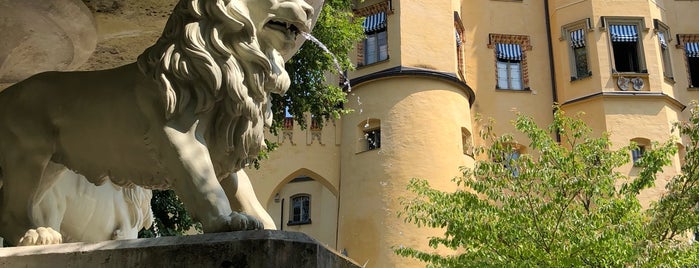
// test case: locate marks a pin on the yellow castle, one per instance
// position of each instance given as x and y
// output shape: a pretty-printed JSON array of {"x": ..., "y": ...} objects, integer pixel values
[{"x": 426, "y": 68}]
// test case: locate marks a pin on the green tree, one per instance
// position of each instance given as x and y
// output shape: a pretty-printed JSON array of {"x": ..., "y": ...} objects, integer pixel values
[
  {"x": 559, "y": 205},
  {"x": 308, "y": 94}
]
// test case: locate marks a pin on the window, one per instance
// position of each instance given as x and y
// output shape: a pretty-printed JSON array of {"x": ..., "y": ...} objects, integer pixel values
[
  {"x": 375, "y": 43},
  {"x": 663, "y": 33},
  {"x": 511, "y": 60},
  {"x": 373, "y": 138},
  {"x": 637, "y": 153},
  {"x": 508, "y": 157},
  {"x": 368, "y": 135},
  {"x": 509, "y": 66},
  {"x": 576, "y": 35},
  {"x": 300, "y": 211},
  {"x": 459, "y": 35},
  {"x": 690, "y": 43},
  {"x": 692, "y": 51},
  {"x": 509, "y": 160},
  {"x": 626, "y": 45},
  {"x": 466, "y": 142}
]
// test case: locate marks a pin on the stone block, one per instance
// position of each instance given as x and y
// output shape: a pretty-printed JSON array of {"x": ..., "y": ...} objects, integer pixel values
[{"x": 264, "y": 248}]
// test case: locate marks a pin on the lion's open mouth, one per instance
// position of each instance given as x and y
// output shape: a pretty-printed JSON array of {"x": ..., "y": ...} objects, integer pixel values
[{"x": 289, "y": 28}]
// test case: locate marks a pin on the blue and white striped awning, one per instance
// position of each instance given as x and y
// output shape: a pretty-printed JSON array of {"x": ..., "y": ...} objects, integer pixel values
[
  {"x": 661, "y": 38},
  {"x": 692, "y": 49},
  {"x": 623, "y": 33},
  {"x": 375, "y": 22},
  {"x": 577, "y": 38},
  {"x": 508, "y": 51}
]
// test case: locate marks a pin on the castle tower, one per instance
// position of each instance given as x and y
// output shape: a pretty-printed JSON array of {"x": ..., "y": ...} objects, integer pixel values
[
  {"x": 624, "y": 65},
  {"x": 412, "y": 119}
]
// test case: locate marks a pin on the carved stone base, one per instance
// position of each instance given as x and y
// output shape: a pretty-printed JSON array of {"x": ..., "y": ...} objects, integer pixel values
[{"x": 236, "y": 249}]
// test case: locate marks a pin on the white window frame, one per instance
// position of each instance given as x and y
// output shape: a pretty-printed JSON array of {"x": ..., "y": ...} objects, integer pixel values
[
  {"x": 379, "y": 50},
  {"x": 665, "y": 58},
  {"x": 641, "y": 28},
  {"x": 512, "y": 78},
  {"x": 292, "y": 206}
]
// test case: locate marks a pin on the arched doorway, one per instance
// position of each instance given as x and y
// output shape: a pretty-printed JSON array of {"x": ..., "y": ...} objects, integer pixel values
[{"x": 303, "y": 202}]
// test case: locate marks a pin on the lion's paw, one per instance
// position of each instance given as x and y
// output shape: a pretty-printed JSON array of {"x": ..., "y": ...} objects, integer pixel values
[
  {"x": 241, "y": 221},
  {"x": 41, "y": 236}
]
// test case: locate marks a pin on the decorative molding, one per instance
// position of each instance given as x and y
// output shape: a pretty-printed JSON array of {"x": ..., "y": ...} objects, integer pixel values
[
  {"x": 288, "y": 134},
  {"x": 384, "y": 6},
  {"x": 418, "y": 72},
  {"x": 647, "y": 94}
]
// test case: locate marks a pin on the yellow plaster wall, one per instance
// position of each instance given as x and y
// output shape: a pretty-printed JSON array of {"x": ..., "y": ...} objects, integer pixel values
[
  {"x": 482, "y": 18},
  {"x": 430, "y": 42},
  {"x": 323, "y": 226},
  {"x": 649, "y": 118},
  {"x": 299, "y": 156},
  {"x": 593, "y": 114},
  {"x": 421, "y": 122},
  {"x": 562, "y": 13}
]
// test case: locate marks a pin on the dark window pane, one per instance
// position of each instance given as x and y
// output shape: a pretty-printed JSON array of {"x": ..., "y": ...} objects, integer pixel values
[
  {"x": 626, "y": 56},
  {"x": 694, "y": 71},
  {"x": 581, "y": 68}
]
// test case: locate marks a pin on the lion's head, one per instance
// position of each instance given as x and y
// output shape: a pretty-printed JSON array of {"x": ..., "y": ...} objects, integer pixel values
[{"x": 225, "y": 56}]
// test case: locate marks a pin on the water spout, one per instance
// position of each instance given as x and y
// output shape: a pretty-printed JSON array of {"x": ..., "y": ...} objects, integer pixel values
[{"x": 340, "y": 71}]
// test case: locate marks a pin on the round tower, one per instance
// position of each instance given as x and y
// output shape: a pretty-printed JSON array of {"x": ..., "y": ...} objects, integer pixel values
[{"x": 411, "y": 119}]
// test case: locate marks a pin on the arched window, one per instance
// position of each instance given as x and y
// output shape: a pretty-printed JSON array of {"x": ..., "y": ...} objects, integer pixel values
[
  {"x": 369, "y": 135},
  {"x": 642, "y": 144},
  {"x": 509, "y": 157},
  {"x": 466, "y": 142},
  {"x": 300, "y": 209}
]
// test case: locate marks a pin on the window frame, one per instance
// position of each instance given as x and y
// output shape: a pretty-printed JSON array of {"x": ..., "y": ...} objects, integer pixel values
[
  {"x": 377, "y": 35},
  {"x": 525, "y": 45},
  {"x": 366, "y": 11},
  {"x": 292, "y": 206},
  {"x": 642, "y": 146},
  {"x": 467, "y": 142},
  {"x": 637, "y": 22},
  {"x": 666, "y": 59},
  {"x": 509, "y": 64},
  {"x": 566, "y": 34},
  {"x": 363, "y": 130},
  {"x": 460, "y": 58},
  {"x": 692, "y": 64}
]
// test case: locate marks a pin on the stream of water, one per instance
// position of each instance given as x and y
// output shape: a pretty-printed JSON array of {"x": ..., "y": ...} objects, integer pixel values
[{"x": 340, "y": 71}]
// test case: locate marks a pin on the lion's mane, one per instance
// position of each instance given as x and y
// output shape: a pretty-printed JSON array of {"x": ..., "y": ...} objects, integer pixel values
[{"x": 209, "y": 53}]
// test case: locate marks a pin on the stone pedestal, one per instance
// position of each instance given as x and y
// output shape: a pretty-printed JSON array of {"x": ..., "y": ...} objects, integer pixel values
[{"x": 235, "y": 249}]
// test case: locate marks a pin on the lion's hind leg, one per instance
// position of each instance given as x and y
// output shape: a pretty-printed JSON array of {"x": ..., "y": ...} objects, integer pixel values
[{"x": 23, "y": 166}]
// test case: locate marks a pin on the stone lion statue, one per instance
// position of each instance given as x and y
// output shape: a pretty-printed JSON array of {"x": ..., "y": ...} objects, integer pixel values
[{"x": 188, "y": 115}]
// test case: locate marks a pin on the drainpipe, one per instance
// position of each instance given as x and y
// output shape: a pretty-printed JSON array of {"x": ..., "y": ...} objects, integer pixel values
[
  {"x": 281, "y": 216},
  {"x": 552, "y": 66}
]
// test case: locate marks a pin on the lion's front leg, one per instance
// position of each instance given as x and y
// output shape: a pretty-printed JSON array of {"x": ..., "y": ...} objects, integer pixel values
[
  {"x": 195, "y": 182},
  {"x": 242, "y": 197}
]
